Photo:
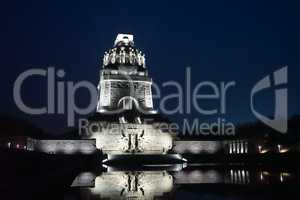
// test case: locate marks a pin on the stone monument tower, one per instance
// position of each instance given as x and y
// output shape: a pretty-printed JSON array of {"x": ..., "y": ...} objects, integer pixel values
[{"x": 126, "y": 123}]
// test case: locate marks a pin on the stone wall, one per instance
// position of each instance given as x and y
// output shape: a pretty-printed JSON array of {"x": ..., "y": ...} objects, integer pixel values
[
  {"x": 198, "y": 147},
  {"x": 86, "y": 146}
]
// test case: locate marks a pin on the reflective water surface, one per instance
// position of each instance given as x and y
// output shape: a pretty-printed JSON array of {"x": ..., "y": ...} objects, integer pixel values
[{"x": 182, "y": 181}]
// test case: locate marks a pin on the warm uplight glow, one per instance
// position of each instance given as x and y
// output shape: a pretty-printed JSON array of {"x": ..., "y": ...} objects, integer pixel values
[
  {"x": 262, "y": 150},
  {"x": 261, "y": 176},
  {"x": 281, "y": 178},
  {"x": 282, "y": 149}
]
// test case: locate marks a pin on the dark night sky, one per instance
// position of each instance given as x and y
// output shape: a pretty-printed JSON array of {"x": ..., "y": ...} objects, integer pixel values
[{"x": 220, "y": 40}]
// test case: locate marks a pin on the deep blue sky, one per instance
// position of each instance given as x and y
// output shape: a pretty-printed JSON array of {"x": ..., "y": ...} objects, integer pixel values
[{"x": 220, "y": 40}]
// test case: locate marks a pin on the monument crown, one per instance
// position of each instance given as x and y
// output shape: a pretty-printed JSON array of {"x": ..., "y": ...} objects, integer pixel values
[
  {"x": 124, "y": 53},
  {"x": 124, "y": 81}
]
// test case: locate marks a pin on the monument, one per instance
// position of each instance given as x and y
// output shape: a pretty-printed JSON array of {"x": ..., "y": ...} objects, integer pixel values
[{"x": 126, "y": 123}]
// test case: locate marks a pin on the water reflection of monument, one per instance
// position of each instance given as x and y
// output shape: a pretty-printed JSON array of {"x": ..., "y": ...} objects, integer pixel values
[
  {"x": 133, "y": 184},
  {"x": 162, "y": 184}
]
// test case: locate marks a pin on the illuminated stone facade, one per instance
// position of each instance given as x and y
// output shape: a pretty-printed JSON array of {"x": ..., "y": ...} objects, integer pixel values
[
  {"x": 124, "y": 80},
  {"x": 62, "y": 146},
  {"x": 132, "y": 138},
  {"x": 125, "y": 122}
]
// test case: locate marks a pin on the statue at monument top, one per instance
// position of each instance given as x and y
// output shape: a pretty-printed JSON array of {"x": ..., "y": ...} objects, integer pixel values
[{"x": 125, "y": 39}]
